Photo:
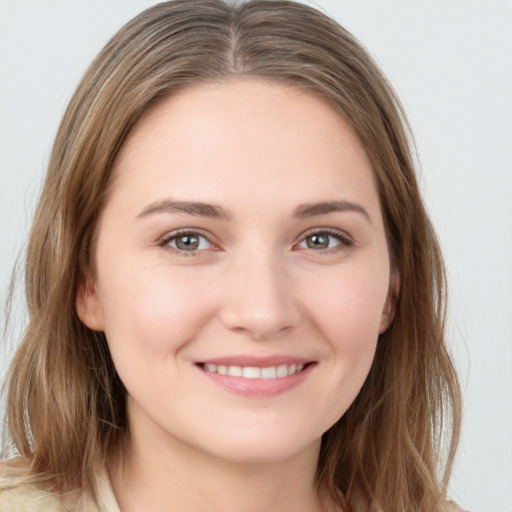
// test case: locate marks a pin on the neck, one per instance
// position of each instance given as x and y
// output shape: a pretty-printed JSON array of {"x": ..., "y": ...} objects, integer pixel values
[{"x": 159, "y": 473}]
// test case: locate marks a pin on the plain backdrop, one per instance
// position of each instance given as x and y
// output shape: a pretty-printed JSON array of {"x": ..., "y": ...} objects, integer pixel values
[{"x": 451, "y": 63}]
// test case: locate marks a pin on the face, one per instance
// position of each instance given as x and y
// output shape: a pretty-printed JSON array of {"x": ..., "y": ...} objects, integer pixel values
[{"x": 242, "y": 270}]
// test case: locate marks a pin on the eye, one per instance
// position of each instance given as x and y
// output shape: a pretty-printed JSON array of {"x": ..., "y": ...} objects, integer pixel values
[
  {"x": 325, "y": 240},
  {"x": 186, "y": 241}
]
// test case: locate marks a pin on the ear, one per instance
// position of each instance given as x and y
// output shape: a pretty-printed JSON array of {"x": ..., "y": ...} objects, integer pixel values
[
  {"x": 388, "y": 313},
  {"x": 88, "y": 304}
]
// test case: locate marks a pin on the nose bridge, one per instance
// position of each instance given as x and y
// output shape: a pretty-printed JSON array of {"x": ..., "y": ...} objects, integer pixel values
[{"x": 259, "y": 297}]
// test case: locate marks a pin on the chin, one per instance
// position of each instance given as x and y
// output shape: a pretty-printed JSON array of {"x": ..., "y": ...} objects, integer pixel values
[{"x": 261, "y": 447}]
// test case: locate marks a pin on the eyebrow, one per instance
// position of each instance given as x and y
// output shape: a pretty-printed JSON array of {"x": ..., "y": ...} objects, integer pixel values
[
  {"x": 212, "y": 211},
  {"x": 197, "y": 209},
  {"x": 307, "y": 210}
]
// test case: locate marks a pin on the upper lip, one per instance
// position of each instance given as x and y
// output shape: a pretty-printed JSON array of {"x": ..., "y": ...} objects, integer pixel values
[{"x": 254, "y": 361}]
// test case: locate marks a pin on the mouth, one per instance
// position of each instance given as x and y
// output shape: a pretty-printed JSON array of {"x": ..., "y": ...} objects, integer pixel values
[
  {"x": 255, "y": 372},
  {"x": 258, "y": 378}
]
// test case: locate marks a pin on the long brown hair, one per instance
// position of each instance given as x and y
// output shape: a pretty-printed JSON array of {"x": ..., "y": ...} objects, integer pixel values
[{"x": 66, "y": 407}]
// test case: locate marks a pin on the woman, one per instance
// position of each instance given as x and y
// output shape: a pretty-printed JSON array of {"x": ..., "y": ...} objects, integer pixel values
[{"x": 236, "y": 297}]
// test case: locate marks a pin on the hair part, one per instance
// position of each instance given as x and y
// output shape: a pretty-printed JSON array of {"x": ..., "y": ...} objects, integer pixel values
[{"x": 66, "y": 406}]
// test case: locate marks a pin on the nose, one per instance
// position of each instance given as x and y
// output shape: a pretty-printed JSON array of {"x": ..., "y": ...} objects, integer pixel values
[{"x": 259, "y": 298}]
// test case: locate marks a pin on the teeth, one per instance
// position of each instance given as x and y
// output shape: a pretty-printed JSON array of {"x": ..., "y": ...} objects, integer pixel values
[
  {"x": 250, "y": 372},
  {"x": 282, "y": 370},
  {"x": 268, "y": 373},
  {"x": 254, "y": 372},
  {"x": 235, "y": 371}
]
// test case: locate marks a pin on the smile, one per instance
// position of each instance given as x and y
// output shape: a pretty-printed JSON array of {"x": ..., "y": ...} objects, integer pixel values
[
  {"x": 257, "y": 377},
  {"x": 255, "y": 372}
]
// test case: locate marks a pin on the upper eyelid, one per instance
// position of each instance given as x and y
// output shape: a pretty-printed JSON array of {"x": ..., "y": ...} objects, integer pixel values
[
  {"x": 329, "y": 231},
  {"x": 185, "y": 231}
]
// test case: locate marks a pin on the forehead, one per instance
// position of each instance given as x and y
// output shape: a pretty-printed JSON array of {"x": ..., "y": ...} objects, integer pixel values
[{"x": 259, "y": 138}]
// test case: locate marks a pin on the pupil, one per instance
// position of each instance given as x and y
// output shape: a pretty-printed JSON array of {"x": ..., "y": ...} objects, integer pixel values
[
  {"x": 187, "y": 242},
  {"x": 318, "y": 242}
]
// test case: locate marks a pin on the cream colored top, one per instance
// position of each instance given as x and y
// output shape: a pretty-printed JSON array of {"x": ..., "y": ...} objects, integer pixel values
[{"x": 30, "y": 498}]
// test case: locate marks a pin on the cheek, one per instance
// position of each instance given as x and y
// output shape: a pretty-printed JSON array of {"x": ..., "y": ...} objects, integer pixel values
[
  {"x": 346, "y": 310},
  {"x": 152, "y": 312},
  {"x": 350, "y": 302}
]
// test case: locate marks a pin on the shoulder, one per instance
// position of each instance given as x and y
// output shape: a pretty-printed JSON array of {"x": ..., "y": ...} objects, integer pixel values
[{"x": 17, "y": 496}]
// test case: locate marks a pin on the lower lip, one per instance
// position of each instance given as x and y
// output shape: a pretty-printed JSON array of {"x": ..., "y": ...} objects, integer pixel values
[{"x": 258, "y": 388}]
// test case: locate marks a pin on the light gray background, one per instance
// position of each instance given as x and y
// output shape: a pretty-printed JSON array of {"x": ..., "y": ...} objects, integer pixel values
[{"x": 451, "y": 63}]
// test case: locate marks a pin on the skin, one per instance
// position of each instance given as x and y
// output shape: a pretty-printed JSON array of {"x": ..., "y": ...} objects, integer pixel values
[{"x": 256, "y": 285}]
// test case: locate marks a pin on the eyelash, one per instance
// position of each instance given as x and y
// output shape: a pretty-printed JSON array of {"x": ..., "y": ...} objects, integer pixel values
[{"x": 344, "y": 240}]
